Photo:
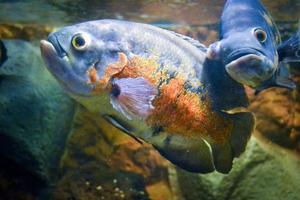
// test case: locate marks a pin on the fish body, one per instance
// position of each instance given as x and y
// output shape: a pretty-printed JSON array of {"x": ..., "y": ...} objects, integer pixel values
[
  {"x": 248, "y": 45},
  {"x": 156, "y": 86}
]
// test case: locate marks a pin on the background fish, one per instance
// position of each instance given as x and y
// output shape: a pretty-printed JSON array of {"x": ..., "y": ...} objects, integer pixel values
[
  {"x": 156, "y": 86},
  {"x": 248, "y": 46}
]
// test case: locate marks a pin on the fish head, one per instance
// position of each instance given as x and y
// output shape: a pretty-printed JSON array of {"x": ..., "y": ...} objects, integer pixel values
[
  {"x": 249, "y": 56},
  {"x": 78, "y": 55}
]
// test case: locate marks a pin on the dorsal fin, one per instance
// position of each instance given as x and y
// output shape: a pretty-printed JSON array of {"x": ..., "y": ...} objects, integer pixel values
[{"x": 192, "y": 41}]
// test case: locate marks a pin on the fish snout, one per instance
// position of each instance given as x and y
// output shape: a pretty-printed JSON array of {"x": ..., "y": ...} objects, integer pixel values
[
  {"x": 52, "y": 38},
  {"x": 251, "y": 69}
]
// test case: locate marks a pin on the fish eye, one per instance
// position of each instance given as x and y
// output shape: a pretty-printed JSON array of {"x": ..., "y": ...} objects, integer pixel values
[
  {"x": 80, "y": 41},
  {"x": 261, "y": 35}
]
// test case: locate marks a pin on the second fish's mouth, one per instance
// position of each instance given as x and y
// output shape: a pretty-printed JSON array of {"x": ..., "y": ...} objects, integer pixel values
[
  {"x": 242, "y": 53},
  {"x": 248, "y": 59}
]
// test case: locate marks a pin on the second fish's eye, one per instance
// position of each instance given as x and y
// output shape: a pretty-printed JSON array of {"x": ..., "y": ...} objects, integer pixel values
[
  {"x": 260, "y": 34},
  {"x": 80, "y": 41}
]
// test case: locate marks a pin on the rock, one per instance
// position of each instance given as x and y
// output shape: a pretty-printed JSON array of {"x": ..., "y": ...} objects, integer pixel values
[
  {"x": 286, "y": 10},
  {"x": 264, "y": 171},
  {"x": 96, "y": 181},
  {"x": 35, "y": 113},
  {"x": 30, "y": 32},
  {"x": 16, "y": 182},
  {"x": 94, "y": 146},
  {"x": 278, "y": 114}
]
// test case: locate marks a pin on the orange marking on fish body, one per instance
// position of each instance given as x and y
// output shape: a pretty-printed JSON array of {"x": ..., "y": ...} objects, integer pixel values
[
  {"x": 176, "y": 109},
  {"x": 182, "y": 112},
  {"x": 111, "y": 70},
  {"x": 140, "y": 67},
  {"x": 92, "y": 73}
]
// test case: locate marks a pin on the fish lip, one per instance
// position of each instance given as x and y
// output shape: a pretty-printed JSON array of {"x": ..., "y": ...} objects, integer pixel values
[
  {"x": 59, "y": 65},
  {"x": 242, "y": 58},
  {"x": 58, "y": 47},
  {"x": 237, "y": 54},
  {"x": 49, "y": 52},
  {"x": 254, "y": 81}
]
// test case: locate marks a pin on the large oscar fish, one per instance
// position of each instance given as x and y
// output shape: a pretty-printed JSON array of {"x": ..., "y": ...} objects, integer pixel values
[
  {"x": 250, "y": 46},
  {"x": 156, "y": 86}
]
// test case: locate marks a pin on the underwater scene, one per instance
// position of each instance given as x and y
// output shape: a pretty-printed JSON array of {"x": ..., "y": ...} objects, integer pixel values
[{"x": 149, "y": 99}]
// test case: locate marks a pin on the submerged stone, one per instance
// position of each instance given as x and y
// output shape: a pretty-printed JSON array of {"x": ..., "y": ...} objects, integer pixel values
[
  {"x": 264, "y": 171},
  {"x": 96, "y": 180},
  {"x": 35, "y": 113},
  {"x": 100, "y": 159}
]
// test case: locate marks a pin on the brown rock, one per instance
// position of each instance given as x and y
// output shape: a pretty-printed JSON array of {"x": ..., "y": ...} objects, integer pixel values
[
  {"x": 278, "y": 115},
  {"x": 97, "y": 149},
  {"x": 23, "y": 31},
  {"x": 140, "y": 159},
  {"x": 96, "y": 181}
]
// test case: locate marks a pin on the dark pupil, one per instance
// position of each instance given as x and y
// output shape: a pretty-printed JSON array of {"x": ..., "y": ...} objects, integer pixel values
[
  {"x": 260, "y": 36},
  {"x": 115, "y": 90},
  {"x": 79, "y": 41}
]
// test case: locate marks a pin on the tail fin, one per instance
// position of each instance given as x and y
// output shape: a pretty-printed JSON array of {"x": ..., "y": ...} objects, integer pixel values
[{"x": 289, "y": 50}]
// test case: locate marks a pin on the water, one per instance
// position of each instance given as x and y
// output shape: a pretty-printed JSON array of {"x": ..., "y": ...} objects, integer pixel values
[{"x": 52, "y": 148}]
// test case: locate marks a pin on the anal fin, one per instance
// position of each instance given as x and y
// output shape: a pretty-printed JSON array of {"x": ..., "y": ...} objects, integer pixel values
[
  {"x": 223, "y": 157},
  {"x": 243, "y": 126},
  {"x": 191, "y": 154}
]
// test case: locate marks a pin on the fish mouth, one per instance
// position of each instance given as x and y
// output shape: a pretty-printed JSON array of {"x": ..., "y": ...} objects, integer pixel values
[
  {"x": 250, "y": 67},
  {"x": 56, "y": 44},
  {"x": 58, "y": 63},
  {"x": 246, "y": 59},
  {"x": 241, "y": 53}
]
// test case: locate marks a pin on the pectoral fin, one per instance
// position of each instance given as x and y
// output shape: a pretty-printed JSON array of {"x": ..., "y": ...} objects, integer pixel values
[
  {"x": 289, "y": 50},
  {"x": 191, "y": 154},
  {"x": 281, "y": 78},
  {"x": 243, "y": 125},
  {"x": 122, "y": 126},
  {"x": 133, "y": 97}
]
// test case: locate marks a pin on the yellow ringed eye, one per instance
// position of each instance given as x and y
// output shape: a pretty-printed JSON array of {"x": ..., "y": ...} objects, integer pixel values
[
  {"x": 80, "y": 41},
  {"x": 261, "y": 35}
]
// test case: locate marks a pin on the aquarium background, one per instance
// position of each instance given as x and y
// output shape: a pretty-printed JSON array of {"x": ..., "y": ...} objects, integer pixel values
[{"x": 52, "y": 148}]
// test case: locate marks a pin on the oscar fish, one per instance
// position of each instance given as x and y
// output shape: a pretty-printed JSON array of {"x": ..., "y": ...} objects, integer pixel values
[
  {"x": 155, "y": 85},
  {"x": 250, "y": 46}
]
